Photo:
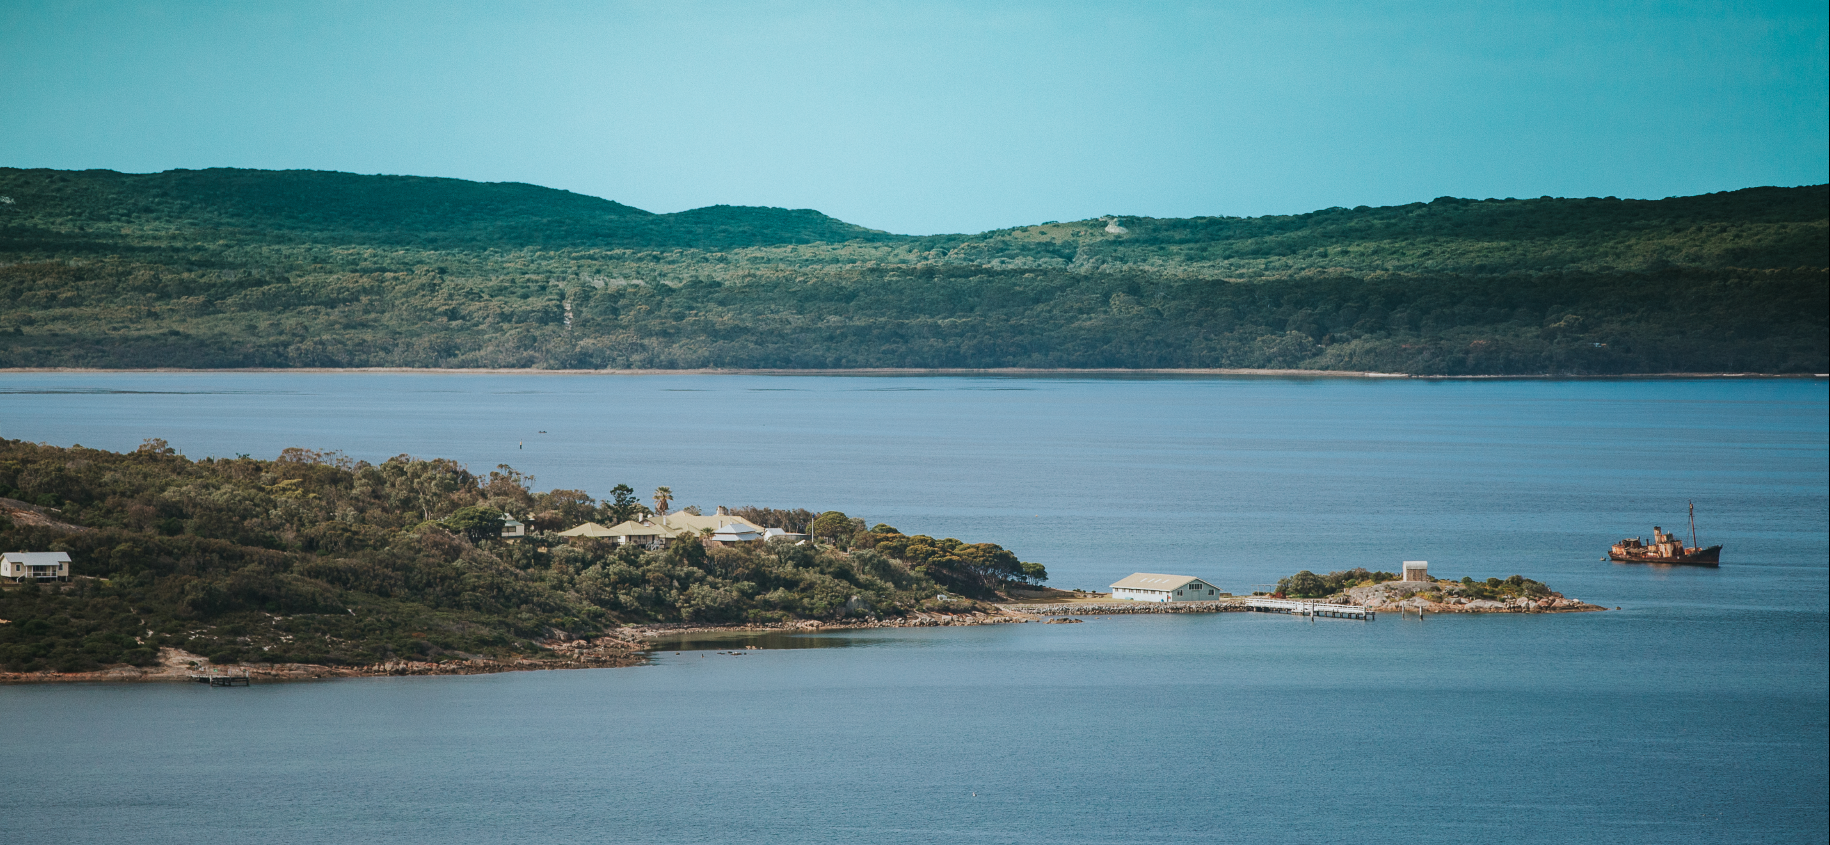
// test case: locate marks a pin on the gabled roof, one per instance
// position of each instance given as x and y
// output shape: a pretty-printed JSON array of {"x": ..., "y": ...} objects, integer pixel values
[
  {"x": 666, "y": 525},
  {"x": 589, "y": 529},
  {"x": 645, "y": 529},
  {"x": 1153, "y": 581},
  {"x": 622, "y": 529},
  {"x": 699, "y": 522}
]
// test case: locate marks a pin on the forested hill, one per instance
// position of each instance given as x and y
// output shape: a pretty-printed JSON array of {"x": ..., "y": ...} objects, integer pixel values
[
  {"x": 310, "y": 206},
  {"x": 234, "y": 268}
]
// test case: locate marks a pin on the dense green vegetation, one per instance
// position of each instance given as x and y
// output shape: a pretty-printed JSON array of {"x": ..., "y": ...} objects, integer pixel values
[
  {"x": 229, "y": 268},
  {"x": 1308, "y": 585},
  {"x": 1501, "y": 589},
  {"x": 314, "y": 558}
]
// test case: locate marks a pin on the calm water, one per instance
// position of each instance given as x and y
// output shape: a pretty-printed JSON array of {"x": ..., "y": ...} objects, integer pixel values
[{"x": 1696, "y": 713}]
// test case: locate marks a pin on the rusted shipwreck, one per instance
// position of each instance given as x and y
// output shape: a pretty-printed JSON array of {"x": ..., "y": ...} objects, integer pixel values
[{"x": 1664, "y": 548}]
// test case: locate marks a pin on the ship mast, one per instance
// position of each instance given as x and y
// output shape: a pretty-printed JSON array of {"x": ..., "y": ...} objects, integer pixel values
[{"x": 1693, "y": 525}]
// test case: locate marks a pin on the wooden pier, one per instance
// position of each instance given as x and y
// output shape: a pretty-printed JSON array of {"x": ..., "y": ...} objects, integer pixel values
[
  {"x": 1309, "y": 608},
  {"x": 228, "y": 678}
]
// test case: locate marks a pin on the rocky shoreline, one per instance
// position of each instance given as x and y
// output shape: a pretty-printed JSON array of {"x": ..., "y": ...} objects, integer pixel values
[
  {"x": 627, "y": 646},
  {"x": 1454, "y": 597},
  {"x": 182, "y": 666},
  {"x": 624, "y": 647},
  {"x": 916, "y": 619}
]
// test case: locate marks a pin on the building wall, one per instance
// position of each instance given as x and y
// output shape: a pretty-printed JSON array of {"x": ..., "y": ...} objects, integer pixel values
[
  {"x": 19, "y": 571},
  {"x": 1208, "y": 592}
]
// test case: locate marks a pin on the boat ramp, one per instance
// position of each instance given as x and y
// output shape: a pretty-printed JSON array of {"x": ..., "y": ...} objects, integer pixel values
[{"x": 222, "y": 677}]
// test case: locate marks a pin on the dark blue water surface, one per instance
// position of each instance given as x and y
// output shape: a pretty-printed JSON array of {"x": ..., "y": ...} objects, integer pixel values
[{"x": 1695, "y": 713}]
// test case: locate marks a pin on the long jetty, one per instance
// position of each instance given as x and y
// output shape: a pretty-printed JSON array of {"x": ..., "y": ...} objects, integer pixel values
[{"x": 1308, "y": 608}]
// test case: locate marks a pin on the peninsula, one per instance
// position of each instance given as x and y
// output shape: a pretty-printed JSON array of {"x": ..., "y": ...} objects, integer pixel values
[{"x": 313, "y": 564}]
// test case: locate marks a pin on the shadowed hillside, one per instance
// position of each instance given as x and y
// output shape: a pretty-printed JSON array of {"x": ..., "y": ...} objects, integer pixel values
[{"x": 230, "y": 268}]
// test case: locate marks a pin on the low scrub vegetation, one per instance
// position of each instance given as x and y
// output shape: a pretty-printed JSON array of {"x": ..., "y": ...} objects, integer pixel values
[{"x": 315, "y": 558}]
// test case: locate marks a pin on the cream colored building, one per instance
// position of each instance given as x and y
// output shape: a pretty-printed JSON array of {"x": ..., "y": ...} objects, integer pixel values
[
  {"x": 35, "y": 566},
  {"x": 1150, "y": 586},
  {"x": 656, "y": 532}
]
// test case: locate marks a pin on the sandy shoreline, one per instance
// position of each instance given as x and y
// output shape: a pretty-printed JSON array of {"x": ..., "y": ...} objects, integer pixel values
[{"x": 915, "y": 371}]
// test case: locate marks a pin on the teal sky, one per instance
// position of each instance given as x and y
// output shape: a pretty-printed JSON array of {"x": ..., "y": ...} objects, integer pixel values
[{"x": 940, "y": 117}]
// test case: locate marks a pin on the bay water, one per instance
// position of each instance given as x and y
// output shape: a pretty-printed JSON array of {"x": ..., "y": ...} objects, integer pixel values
[{"x": 1696, "y": 712}]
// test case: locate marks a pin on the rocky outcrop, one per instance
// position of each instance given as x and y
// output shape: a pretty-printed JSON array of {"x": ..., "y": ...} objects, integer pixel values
[
  {"x": 1452, "y": 597},
  {"x": 26, "y": 513}
]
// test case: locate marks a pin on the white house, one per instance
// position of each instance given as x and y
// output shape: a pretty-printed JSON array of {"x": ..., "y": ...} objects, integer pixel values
[
  {"x": 735, "y": 532},
  {"x": 38, "y": 566},
  {"x": 512, "y": 527},
  {"x": 1149, "y": 586},
  {"x": 655, "y": 532}
]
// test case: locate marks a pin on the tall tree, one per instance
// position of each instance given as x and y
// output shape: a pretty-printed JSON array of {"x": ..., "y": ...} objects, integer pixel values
[
  {"x": 662, "y": 496},
  {"x": 623, "y": 505}
]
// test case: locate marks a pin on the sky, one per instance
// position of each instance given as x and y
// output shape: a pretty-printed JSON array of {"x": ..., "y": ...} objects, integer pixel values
[{"x": 933, "y": 117}]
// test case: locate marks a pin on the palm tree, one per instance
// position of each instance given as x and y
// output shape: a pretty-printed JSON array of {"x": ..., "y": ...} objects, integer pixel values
[{"x": 662, "y": 496}]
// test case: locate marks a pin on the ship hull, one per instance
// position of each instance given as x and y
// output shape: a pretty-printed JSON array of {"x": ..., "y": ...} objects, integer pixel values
[{"x": 1711, "y": 556}]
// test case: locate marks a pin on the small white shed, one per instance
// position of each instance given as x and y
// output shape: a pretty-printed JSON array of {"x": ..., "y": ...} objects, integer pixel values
[
  {"x": 1416, "y": 570},
  {"x": 1150, "y": 586},
  {"x": 36, "y": 566}
]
